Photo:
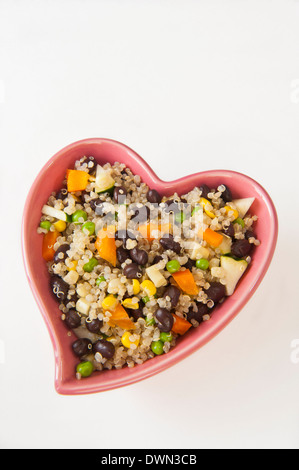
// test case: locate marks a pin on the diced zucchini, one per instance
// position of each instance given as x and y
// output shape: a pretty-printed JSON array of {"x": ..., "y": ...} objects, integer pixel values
[
  {"x": 225, "y": 245},
  {"x": 104, "y": 181},
  {"x": 51, "y": 212},
  {"x": 155, "y": 276},
  {"x": 234, "y": 270},
  {"x": 197, "y": 251},
  {"x": 243, "y": 205}
]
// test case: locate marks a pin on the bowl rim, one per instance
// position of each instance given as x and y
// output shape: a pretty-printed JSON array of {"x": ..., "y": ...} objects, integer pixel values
[{"x": 74, "y": 386}]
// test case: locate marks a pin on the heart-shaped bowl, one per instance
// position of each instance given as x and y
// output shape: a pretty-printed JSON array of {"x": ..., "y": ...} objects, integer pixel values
[{"x": 50, "y": 179}]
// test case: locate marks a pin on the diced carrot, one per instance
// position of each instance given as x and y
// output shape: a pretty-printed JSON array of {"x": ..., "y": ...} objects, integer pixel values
[
  {"x": 212, "y": 238},
  {"x": 49, "y": 241},
  {"x": 121, "y": 318},
  {"x": 105, "y": 244},
  {"x": 76, "y": 180},
  {"x": 186, "y": 282},
  {"x": 180, "y": 325},
  {"x": 154, "y": 231}
]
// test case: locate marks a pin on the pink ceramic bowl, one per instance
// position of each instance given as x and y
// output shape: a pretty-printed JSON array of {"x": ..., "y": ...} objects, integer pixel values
[{"x": 50, "y": 178}]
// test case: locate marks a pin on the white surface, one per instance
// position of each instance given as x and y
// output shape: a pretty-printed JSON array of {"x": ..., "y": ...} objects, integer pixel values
[{"x": 190, "y": 85}]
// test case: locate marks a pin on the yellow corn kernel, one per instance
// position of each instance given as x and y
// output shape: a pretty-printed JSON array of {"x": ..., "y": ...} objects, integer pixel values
[
  {"x": 109, "y": 302},
  {"x": 136, "y": 286},
  {"x": 207, "y": 206},
  {"x": 149, "y": 287},
  {"x": 235, "y": 213},
  {"x": 74, "y": 265},
  {"x": 110, "y": 338},
  {"x": 131, "y": 303},
  {"x": 60, "y": 226},
  {"x": 125, "y": 339}
]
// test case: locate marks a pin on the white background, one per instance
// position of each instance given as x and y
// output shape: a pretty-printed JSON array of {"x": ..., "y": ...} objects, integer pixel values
[{"x": 190, "y": 85}]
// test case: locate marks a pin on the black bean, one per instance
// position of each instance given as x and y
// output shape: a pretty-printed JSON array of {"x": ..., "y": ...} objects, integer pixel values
[
  {"x": 132, "y": 271},
  {"x": 119, "y": 194},
  {"x": 136, "y": 312},
  {"x": 62, "y": 249},
  {"x": 153, "y": 196},
  {"x": 104, "y": 347},
  {"x": 241, "y": 248},
  {"x": 226, "y": 195},
  {"x": 123, "y": 235},
  {"x": 164, "y": 319},
  {"x": 174, "y": 294},
  {"x": 141, "y": 214},
  {"x": 230, "y": 231},
  {"x": 190, "y": 264},
  {"x": 82, "y": 346},
  {"x": 59, "y": 287},
  {"x": 249, "y": 233},
  {"x": 122, "y": 254},
  {"x": 216, "y": 291},
  {"x": 72, "y": 319},
  {"x": 93, "y": 325},
  {"x": 205, "y": 190},
  {"x": 71, "y": 297},
  {"x": 62, "y": 194},
  {"x": 139, "y": 256},
  {"x": 202, "y": 310},
  {"x": 168, "y": 243},
  {"x": 157, "y": 259}
]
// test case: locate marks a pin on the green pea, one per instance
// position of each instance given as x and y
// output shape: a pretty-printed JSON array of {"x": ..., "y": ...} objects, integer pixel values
[
  {"x": 240, "y": 222},
  {"x": 150, "y": 321},
  {"x": 179, "y": 217},
  {"x": 89, "y": 226},
  {"x": 85, "y": 369},
  {"x": 99, "y": 280},
  {"x": 165, "y": 337},
  {"x": 202, "y": 264},
  {"x": 157, "y": 347},
  {"x": 90, "y": 265},
  {"x": 79, "y": 215},
  {"x": 145, "y": 299},
  {"x": 173, "y": 266},
  {"x": 45, "y": 224}
]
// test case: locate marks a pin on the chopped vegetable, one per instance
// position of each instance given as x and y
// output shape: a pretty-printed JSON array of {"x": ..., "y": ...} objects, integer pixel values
[
  {"x": 90, "y": 265},
  {"x": 120, "y": 318},
  {"x": 104, "y": 181},
  {"x": 233, "y": 270},
  {"x": 225, "y": 245},
  {"x": 85, "y": 368},
  {"x": 157, "y": 347},
  {"x": 207, "y": 207},
  {"x": 99, "y": 280},
  {"x": 136, "y": 286},
  {"x": 165, "y": 337},
  {"x": 49, "y": 241},
  {"x": 239, "y": 221},
  {"x": 243, "y": 205},
  {"x": 154, "y": 231},
  {"x": 186, "y": 282},
  {"x": 105, "y": 244},
  {"x": 180, "y": 325},
  {"x": 173, "y": 266},
  {"x": 212, "y": 238},
  {"x": 157, "y": 278},
  {"x": 197, "y": 251},
  {"x": 51, "y": 212},
  {"x": 88, "y": 227},
  {"x": 78, "y": 215},
  {"x": 202, "y": 264},
  {"x": 109, "y": 302},
  {"x": 230, "y": 210},
  {"x": 76, "y": 180},
  {"x": 82, "y": 306},
  {"x": 131, "y": 303}
]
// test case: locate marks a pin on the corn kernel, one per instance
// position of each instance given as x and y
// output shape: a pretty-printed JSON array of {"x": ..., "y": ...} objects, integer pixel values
[
  {"x": 149, "y": 287},
  {"x": 207, "y": 206},
  {"x": 235, "y": 213},
  {"x": 131, "y": 303},
  {"x": 74, "y": 265},
  {"x": 136, "y": 286},
  {"x": 109, "y": 302},
  {"x": 125, "y": 339},
  {"x": 60, "y": 226}
]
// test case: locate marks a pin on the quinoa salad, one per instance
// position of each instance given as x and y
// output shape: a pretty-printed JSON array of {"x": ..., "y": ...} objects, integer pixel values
[{"x": 133, "y": 270}]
